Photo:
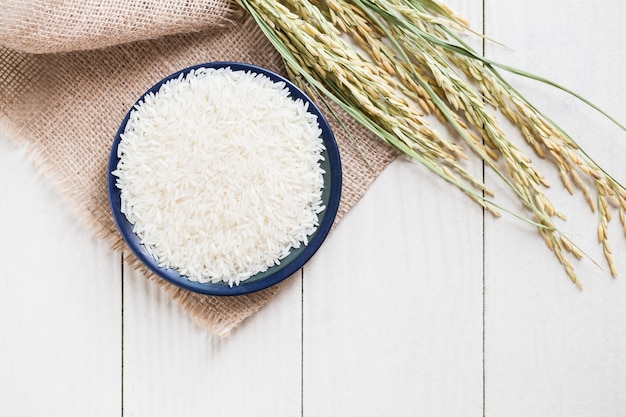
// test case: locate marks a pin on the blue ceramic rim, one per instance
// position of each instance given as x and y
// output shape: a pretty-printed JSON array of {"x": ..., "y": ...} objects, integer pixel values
[{"x": 250, "y": 285}]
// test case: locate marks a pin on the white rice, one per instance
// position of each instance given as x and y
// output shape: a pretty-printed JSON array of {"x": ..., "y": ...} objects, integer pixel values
[{"x": 220, "y": 174}]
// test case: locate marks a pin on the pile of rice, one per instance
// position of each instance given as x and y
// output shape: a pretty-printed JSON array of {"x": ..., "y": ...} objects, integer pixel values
[{"x": 220, "y": 174}]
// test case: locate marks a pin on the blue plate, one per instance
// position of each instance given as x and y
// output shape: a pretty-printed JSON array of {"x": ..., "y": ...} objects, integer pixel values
[{"x": 298, "y": 257}]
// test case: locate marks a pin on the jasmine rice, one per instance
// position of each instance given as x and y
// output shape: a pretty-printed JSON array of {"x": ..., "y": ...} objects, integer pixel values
[{"x": 220, "y": 174}]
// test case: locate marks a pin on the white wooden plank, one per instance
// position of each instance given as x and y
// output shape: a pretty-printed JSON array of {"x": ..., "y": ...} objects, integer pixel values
[
  {"x": 393, "y": 304},
  {"x": 173, "y": 367},
  {"x": 551, "y": 349},
  {"x": 60, "y": 301},
  {"x": 393, "y": 300}
]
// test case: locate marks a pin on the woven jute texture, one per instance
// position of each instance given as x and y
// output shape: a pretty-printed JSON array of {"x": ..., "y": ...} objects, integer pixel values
[{"x": 69, "y": 72}]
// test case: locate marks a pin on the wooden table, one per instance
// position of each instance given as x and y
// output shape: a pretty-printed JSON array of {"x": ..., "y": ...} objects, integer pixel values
[{"x": 417, "y": 305}]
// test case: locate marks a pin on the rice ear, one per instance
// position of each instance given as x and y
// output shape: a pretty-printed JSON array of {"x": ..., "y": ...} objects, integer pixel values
[{"x": 387, "y": 63}]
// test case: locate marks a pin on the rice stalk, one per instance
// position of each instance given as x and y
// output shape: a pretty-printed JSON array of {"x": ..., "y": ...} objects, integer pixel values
[{"x": 392, "y": 63}]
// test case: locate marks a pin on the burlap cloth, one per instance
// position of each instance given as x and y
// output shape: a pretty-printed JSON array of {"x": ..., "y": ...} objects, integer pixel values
[{"x": 71, "y": 69}]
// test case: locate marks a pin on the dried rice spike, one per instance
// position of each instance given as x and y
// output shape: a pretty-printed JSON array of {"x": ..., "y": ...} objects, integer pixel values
[
  {"x": 409, "y": 60},
  {"x": 584, "y": 188},
  {"x": 554, "y": 244},
  {"x": 570, "y": 247},
  {"x": 604, "y": 219},
  {"x": 622, "y": 219}
]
